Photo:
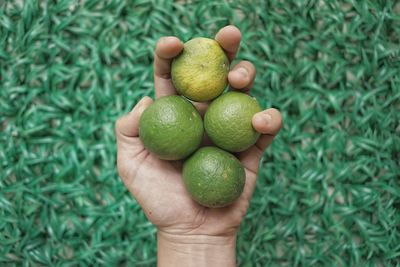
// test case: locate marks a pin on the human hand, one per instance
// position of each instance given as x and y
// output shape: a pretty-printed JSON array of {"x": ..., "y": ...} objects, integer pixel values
[{"x": 157, "y": 184}]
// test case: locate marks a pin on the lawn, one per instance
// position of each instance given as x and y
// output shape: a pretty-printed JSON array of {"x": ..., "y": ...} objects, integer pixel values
[{"x": 328, "y": 191}]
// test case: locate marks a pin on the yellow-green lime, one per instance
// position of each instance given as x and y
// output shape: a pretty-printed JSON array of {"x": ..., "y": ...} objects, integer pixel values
[
  {"x": 200, "y": 72},
  {"x": 171, "y": 128},
  {"x": 213, "y": 177},
  {"x": 228, "y": 121}
]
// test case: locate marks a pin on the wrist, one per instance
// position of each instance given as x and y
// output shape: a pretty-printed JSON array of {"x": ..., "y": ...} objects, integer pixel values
[{"x": 195, "y": 250}]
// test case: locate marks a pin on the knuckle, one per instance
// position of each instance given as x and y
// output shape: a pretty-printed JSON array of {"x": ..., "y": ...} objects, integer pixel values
[{"x": 117, "y": 124}]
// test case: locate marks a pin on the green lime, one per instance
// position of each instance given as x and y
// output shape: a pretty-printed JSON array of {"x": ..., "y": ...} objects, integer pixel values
[
  {"x": 171, "y": 128},
  {"x": 213, "y": 177},
  {"x": 228, "y": 121},
  {"x": 200, "y": 72}
]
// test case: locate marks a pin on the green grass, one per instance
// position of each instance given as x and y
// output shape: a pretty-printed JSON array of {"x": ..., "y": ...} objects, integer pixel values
[{"x": 328, "y": 192}]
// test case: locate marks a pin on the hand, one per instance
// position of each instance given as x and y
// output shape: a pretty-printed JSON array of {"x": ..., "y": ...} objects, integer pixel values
[{"x": 157, "y": 185}]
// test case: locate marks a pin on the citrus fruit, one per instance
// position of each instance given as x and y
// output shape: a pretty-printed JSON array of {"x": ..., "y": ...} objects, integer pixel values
[
  {"x": 171, "y": 128},
  {"x": 200, "y": 72},
  {"x": 228, "y": 121},
  {"x": 213, "y": 177}
]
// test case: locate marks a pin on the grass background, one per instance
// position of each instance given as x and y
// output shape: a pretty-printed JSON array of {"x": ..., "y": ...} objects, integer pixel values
[{"x": 328, "y": 192}]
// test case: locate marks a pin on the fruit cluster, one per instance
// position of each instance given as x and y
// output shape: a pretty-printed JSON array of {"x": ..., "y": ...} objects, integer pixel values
[{"x": 172, "y": 128}]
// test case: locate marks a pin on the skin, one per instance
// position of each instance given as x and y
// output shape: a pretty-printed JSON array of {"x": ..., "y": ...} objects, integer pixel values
[{"x": 189, "y": 234}]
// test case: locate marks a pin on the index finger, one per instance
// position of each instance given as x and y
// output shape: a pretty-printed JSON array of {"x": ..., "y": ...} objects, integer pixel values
[{"x": 229, "y": 38}]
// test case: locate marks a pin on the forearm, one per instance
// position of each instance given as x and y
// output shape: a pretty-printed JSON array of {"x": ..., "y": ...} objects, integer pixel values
[{"x": 195, "y": 250}]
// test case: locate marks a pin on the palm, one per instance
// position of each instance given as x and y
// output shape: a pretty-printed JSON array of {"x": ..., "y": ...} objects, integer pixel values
[{"x": 158, "y": 187}]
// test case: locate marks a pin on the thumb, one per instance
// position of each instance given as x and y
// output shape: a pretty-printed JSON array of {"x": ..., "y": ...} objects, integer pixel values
[
  {"x": 128, "y": 145},
  {"x": 127, "y": 126}
]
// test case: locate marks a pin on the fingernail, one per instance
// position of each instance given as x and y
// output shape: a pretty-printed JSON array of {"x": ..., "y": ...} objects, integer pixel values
[
  {"x": 166, "y": 39},
  {"x": 138, "y": 107},
  {"x": 243, "y": 72},
  {"x": 141, "y": 107},
  {"x": 267, "y": 118}
]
